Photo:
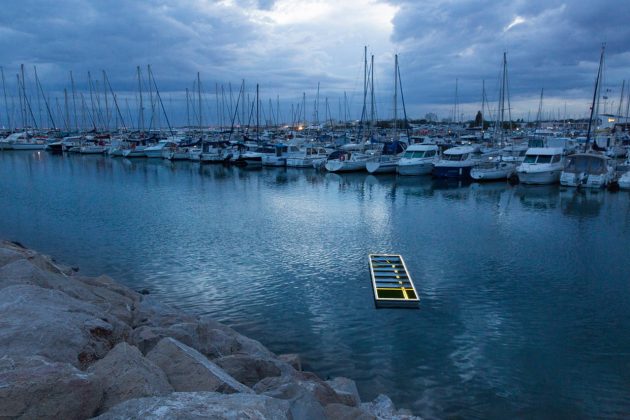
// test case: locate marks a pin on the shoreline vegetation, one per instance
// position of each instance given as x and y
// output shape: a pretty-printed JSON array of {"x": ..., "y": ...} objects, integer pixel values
[{"x": 76, "y": 347}]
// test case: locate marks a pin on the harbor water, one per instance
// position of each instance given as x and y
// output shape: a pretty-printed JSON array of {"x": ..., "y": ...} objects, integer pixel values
[{"x": 524, "y": 291}]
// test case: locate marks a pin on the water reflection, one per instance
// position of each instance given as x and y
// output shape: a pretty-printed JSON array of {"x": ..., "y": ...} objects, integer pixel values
[
  {"x": 581, "y": 203},
  {"x": 521, "y": 287}
]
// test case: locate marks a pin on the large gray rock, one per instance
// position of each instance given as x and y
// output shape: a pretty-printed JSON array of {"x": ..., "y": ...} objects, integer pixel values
[
  {"x": 383, "y": 408},
  {"x": 23, "y": 271},
  {"x": 125, "y": 374},
  {"x": 304, "y": 404},
  {"x": 249, "y": 370},
  {"x": 8, "y": 255},
  {"x": 285, "y": 387},
  {"x": 151, "y": 312},
  {"x": 146, "y": 336},
  {"x": 201, "y": 405},
  {"x": 218, "y": 340},
  {"x": 32, "y": 387},
  {"x": 346, "y": 389},
  {"x": 49, "y": 323},
  {"x": 117, "y": 300},
  {"x": 292, "y": 359},
  {"x": 189, "y": 370},
  {"x": 44, "y": 262},
  {"x": 344, "y": 412},
  {"x": 90, "y": 290}
]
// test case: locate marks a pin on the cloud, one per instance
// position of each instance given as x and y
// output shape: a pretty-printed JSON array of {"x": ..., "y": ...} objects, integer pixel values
[{"x": 289, "y": 46}]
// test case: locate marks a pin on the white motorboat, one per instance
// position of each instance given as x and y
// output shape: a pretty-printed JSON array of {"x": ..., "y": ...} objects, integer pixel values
[
  {"x": 456, "y": 162},
  {"x": 283, "y": 152},
  {"x": 418, "y": 159},
  {"x": 590, "y": 170},
  {"x": 493, "y": 168},
  {"x": 541, "y": 166},
  {"x": 157, "y": 150},
  {"x": 253, "y": 158},
  {"x": 92, "y": 149},
  {"x": 345, "y": 161},
  {"x": 23, "y": 141},
  {"x": 387, "y": 160},
  {"x": 624, "y": 181},
  {"x": 308, "y": 157},
  {"x": 382, "y": 164},
  {"x": 134, "y": 152},
  {"x": 176, "y": 153}
]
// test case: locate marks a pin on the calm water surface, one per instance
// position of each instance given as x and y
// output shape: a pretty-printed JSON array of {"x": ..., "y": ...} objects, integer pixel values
[{"x": 525, "y": 291}]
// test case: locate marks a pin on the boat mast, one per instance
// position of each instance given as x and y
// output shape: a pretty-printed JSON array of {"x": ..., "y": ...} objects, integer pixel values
[
  {"x": 66, "y": 109},
  {"x": 74, "y": 102},
  {"x": 257, "y": 115},
  {"x": 141, "y": 125},
  {"x": 107, "y": 116},
  {"x": 595, "y": 98},
  {"x": 395, "y": 95},
  {"x": 483, "y": 105},
  {"x": 187, "y": 109},
  {"x": 540, "y": 104},
  {"x": 6, "y": 103},
  {"x": 199, "y": 98},
  {"x": 402, "y": 100},
  {"x": 363, "y": 112},
  {"x": 119, "y": 114},
  {"x": 52, "y": 121},
  {"x": 27, "y": 103},
  {"x": 372, "y": 101}
]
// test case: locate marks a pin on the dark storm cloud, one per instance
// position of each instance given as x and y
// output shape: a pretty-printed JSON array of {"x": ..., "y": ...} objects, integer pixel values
[
  {"x": 550, "y": 44},
  {"x": 176, "y": 37}
]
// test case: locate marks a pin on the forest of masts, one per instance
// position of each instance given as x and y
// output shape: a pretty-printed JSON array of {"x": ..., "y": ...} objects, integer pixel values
[{"x": 98, "y": 107}]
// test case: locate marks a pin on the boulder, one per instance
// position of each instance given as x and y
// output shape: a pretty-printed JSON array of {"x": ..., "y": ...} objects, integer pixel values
[
  {"x": 49, "y": 323},
  {"x": 303, "y": 403},
  {"x": 146, "y": 337},
  {"x": 218, "y": 340},
  {"x": 26, "y": 272},
  {"x": 216, "y": 343},
  {"x": 248, "y": 370},
  {"x": 33, "y": 387},
  {"x": 346, "y": 389},
  {"x": 201, "y": 405},
  {"x": 189, "y": 370},
  {"x": 383, "y": 408},
  {"x": 125, "y": 374},
  {"x": 344, "y": 412},
  {"x": 8, "y": 255},
  {"x": 151, "y": 312},
  {"x": 286, "y": 387},
  {"x": 292, "y": 359}
]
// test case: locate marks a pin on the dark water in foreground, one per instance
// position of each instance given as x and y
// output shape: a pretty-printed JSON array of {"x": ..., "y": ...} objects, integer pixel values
[{"x": 525, "y": 291}]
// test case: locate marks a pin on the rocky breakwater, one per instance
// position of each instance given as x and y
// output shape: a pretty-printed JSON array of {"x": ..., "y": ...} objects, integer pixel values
[{"x": 75, "y": 347}]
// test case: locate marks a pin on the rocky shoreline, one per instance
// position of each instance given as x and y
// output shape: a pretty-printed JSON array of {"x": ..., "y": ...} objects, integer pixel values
[{"x": 76, "y": 347}]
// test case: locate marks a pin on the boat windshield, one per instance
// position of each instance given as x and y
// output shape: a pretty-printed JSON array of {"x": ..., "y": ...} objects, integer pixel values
[
  {"x": 454, "y": 157},
  {"x": 544, "y": 159},
  {"x": 419, "y": 154},
  {"x": 530, "y": 159}
]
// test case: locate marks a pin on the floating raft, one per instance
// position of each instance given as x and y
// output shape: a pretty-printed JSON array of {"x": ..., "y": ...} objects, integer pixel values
[{"x": 391, "y": 282}]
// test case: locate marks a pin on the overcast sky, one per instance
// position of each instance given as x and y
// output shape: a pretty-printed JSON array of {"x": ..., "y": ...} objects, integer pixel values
[{"x": 288, "y": 47}]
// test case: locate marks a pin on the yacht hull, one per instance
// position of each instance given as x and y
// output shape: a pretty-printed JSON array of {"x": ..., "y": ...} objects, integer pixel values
[
  {"x": 415, "y": 169},
  {"x": 344, "y": 166},
  {"x": 452, "y": 172},
  {"x": 539, "y": 178}
]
